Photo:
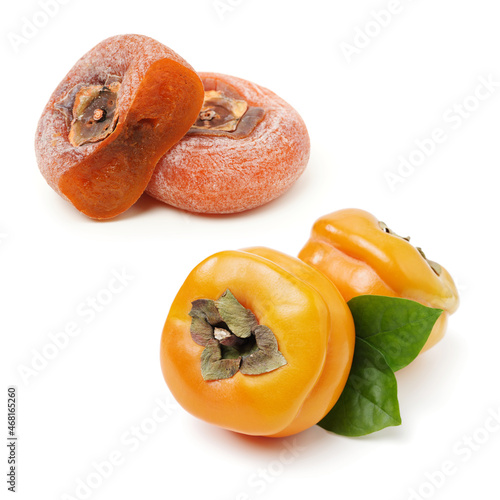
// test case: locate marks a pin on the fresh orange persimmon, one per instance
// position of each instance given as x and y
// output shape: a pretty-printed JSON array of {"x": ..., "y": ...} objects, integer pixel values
[
  {"x": 362, "y": 256},
  {"x": 257, "y": 342}
]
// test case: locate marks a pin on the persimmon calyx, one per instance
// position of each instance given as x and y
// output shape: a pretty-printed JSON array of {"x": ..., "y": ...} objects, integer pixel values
[
  {"x": 225, "y": 115},
  {"x": 214, "y": 366},
  {"x": 267, "y": 354},
  {"x": 91, "y": 111},
  {"x": 220, "y": 112},
  {"x": 388, "y": 230},
  {"x": 233, "y": 339},
  {"x": 433, "y": 265}
]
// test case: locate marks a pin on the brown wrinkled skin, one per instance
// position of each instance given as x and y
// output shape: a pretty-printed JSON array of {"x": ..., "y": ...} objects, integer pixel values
[{"x": 159, "y": 99}]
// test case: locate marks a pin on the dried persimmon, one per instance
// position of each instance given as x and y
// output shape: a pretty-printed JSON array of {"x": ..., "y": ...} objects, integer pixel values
[
  {"x": 115, "y": 114},
  {"x": 246, "y": 148}
]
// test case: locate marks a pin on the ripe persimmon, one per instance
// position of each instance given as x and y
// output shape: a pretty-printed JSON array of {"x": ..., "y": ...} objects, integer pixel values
[{"x": 257, "y": 342}]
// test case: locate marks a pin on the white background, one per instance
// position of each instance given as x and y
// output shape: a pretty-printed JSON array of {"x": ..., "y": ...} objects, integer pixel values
[{"x": 362, "y": 115}]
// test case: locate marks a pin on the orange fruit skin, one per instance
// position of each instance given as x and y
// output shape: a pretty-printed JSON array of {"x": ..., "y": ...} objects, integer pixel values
[
  {"x": 350, "y": 248},
  {"x": 339, "y": 352},
  {"x": 221, "y": 175},
  {"x": 158, "y": 101},
  {"x": 313, "y": 327}
]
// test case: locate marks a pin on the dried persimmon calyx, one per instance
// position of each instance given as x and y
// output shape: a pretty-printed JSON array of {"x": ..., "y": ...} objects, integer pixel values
[
  {"x": 65, "y": 105},
  {"x": 92, "y": 111},
  {"x": 220, "y": 112},
  {"x": 225, "y": 115},
  {"x": 94, "y": 114}
]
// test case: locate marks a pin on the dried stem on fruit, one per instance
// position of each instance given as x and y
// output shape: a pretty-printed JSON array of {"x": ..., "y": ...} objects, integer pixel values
[
  {"x": 233, "y": 339},
  {"x": 92, "y": 112},
  {"x": 434, "y": 265},
  {"x": 227, "y": 116}
]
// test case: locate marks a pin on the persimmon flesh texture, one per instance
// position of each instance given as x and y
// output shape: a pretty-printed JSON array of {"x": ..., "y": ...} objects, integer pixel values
[{"x": 159, "y": 98}]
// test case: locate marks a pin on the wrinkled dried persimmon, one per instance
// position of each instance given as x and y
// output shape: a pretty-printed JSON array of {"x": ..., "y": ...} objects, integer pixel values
[
  {"x": 118, "y": 110},
  {"x": 246, "y": 148}
]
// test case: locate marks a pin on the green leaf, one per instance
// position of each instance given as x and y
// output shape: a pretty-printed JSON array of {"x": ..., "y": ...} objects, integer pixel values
[
  {"x": 390, "y": 332},
  {"x": 369, "y": 401},
  {"x": 398, "y": 328}
]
